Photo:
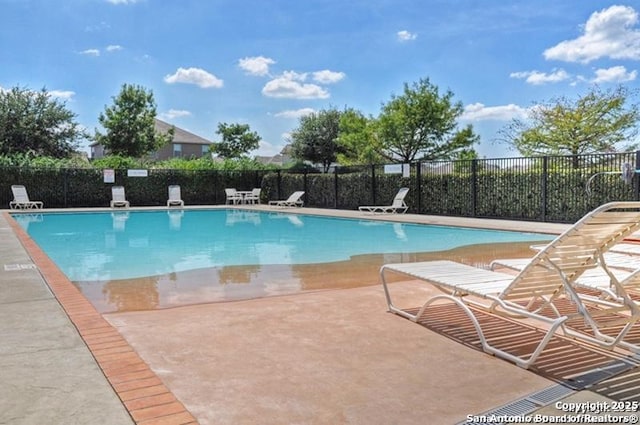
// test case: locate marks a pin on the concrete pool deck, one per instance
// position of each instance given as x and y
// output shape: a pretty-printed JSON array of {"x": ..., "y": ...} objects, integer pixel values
[{"x": 333, "y": 356}]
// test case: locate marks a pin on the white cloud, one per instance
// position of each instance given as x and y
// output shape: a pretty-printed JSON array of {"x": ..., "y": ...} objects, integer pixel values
[
  {"x": 283, "y": 87},
  {"x": 405, "y": 35},
  {"x": 615, "y": 74},
  {"x": 295, "y": 76},
  {"x": 297, "y": 113},
  {"x": 327, "y": 77},
  {"x": 608, "y": 33},
  {"x": 96, "y": 52},
  {"x": 196, "y": 76},
  {"x": 62, "y": 94},
  {"x": 290, "y": 84},
  {"x": 257, "y": 65},
  {"x": 480, "y": 112},
  {"x": 538, "y": 78},
  {"x": 174, "y": 113},
  {"x": 90, "y": 52}
]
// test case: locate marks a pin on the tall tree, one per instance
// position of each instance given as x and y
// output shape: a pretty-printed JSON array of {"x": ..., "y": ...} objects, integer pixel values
[
  {"x": 237, "y": 140},
  {"x": 599, "y": 121},
  {"x": 130, "y": 124},
  {"x": 357, "y": 139},
  {"x": 421, "y": 124},
  {"x": 34, "y": 122},
  {"x": 315, "y": 139}
]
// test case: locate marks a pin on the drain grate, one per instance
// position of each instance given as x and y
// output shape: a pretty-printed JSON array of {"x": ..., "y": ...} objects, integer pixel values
[
  {"x": 525, "y": 405},
  {"x": 17, "y": 267},
  {"x": 549, "y": 395},
  {"x": 519, "y": 407}
]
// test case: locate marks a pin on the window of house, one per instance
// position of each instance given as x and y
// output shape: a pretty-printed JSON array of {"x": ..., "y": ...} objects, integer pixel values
[
  {"x": 205, "y": 150},
  {"x": 177, "y": 149}
]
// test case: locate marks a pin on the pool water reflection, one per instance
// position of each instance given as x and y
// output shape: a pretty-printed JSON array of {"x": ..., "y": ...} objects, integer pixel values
[
  {"x": 139, "y": 260},
  {"x": 244, "y": 282}
]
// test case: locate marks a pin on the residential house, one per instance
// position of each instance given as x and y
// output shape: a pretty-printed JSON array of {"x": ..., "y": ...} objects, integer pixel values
[
  {"x": 280, "y": 160},
  {"x": 184, "y": 144}
]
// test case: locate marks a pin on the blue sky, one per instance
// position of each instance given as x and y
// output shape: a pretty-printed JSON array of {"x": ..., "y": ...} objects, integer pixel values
[{"x": 265, "y": 63}]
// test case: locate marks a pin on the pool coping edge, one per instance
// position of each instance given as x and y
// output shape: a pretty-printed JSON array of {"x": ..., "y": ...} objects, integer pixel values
[{"x": 143, "y": 394}]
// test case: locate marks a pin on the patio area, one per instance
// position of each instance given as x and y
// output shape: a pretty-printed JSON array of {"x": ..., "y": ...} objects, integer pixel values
[{"x": 320, "y": 357}]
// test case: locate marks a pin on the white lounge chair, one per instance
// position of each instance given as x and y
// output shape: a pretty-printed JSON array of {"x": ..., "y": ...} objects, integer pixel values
[
  {"x": 21, "y": 199},
  {"x": 622, "y": 261},
  {"x": 118, "y": 198},
  {"x": 233, "y": 197},
  {"x": 550, "y": 276},
  {"x": 595, "y": 279},
  {"x": 293, "y": 201},
  {"x": 398, "y": 204},
  {"x": 175, "y": 198},
  {"x": 624, "y": 256}
]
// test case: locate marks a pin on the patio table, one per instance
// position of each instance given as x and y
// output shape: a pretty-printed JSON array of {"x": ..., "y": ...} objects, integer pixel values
[{"x": 244, "y": 194}]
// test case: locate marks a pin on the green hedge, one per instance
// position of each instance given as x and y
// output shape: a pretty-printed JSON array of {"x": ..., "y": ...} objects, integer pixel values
[
  {"x": 557, "y": 196},
  {"x": 63, "y": 188}
]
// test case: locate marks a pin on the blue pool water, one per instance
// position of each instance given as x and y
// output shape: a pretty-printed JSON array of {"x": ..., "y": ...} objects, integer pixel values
[{"x": 134, "y": 244}]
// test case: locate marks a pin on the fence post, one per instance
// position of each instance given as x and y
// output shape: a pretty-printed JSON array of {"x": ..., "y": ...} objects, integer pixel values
[
  {"x": 304, "y": 180},
  {"x": 335, "y": 187},
  {"x": 419, "y": 185},
  {"x": 373, "y": 184},
  {"x": 66, "y": 187},
  {"x": 545, "y": 174},
  {"x": 474, "y": 188},
  {"x": 278, "y": 188}
]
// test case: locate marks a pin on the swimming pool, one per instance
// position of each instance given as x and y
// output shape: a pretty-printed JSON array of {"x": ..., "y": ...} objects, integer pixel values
[
  {"x": 125, "y": 245},
  {"x": 222, "y": 254}
]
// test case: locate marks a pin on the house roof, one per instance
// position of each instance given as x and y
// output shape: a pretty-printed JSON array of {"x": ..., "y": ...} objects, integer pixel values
[
  {"x": 278, "y": 159},
  {"x": 179, "y": 135}
]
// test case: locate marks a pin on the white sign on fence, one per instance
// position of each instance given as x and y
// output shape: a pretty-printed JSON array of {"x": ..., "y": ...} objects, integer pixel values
[
  {"x": 137, "y": 173},
  {"x": 403, "y": 169},
  {"x": 109, "y": 176},
  {"x": 393, "y": 169}
]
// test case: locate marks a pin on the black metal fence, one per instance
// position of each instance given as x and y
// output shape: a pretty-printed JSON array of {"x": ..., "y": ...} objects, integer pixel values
[{"x": 550, "y": 188}]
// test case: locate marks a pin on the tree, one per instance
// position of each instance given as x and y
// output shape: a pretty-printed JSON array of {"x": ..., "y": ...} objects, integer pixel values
[
  {"x": 595, "y": 122},
  {"x": 33, "y": 123},
  {"x": 315, "y": 139},
  {"x": 357, "y": 139},
  {"x": 130, "y": 124},
  {"x": 464, "y": 159},
  {"x": 237, "y": 140},
  {"x": 421, "y": 124}
]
